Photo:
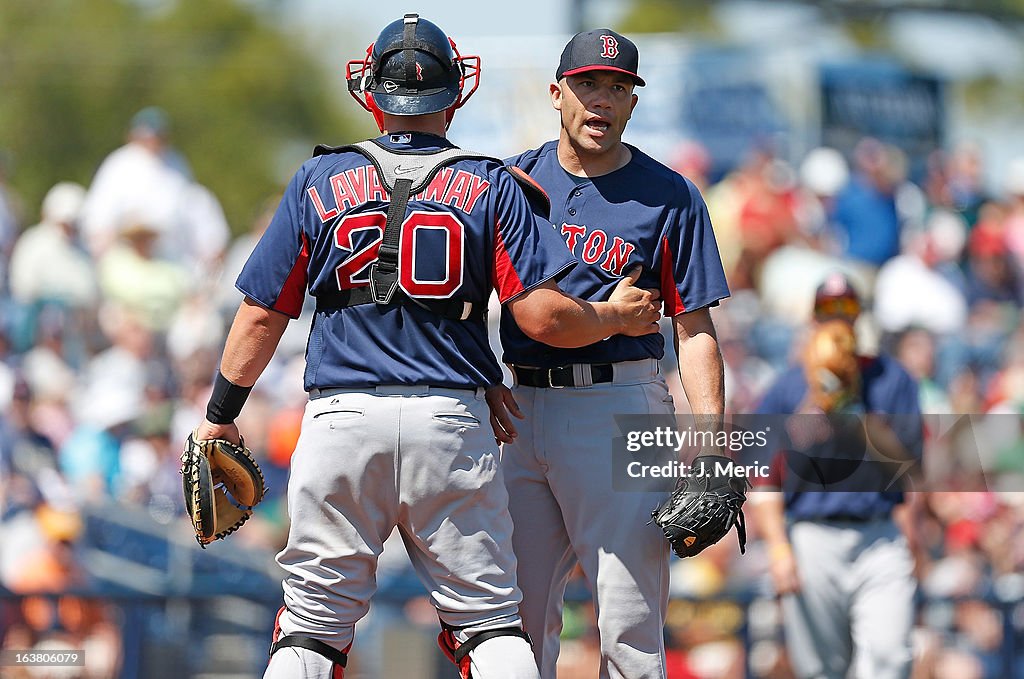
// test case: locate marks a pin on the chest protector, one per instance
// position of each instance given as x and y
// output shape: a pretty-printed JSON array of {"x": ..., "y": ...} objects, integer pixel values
[{"x": 404, "y": 174}]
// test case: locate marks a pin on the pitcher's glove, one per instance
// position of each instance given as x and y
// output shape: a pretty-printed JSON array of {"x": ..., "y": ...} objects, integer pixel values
[
  {"x": 222, "y": 483},
  {"x": 703, "y": 508}
]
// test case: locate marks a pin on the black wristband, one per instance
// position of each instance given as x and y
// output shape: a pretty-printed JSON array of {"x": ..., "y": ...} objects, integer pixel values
[{"x": 226, "y": 401}]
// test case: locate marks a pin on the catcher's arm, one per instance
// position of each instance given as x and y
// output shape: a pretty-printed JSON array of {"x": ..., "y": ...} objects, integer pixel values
[
  {"x": 502, "y": 404},
  {"x": 549, "y": 315},
  {"x": 221, "y": 480},
  {"x": 251, "y": 343}
]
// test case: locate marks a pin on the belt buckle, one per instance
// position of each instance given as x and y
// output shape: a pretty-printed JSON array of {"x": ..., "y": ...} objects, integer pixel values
[{"x": 551, "y": 383}]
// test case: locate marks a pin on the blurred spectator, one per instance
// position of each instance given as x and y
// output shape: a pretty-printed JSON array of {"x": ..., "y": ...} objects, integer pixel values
[
  {"x": 913, "y": 290},
  {"x": 935, "y": 182},
  {"x": 131, "y": 275},
  {"x": 754, "y": 210},
  {"x": 993, "y": 274},
  {"x": 52, "y": 566},
  {"x": 944, "y": 236},
  {"x": 46, "y": 366},
  {"x": 965, "y": 392},
  {"x": 28, "y": 456},
  {"x": 90, "y": 458},
  {"x": 228, "y": 296},
  {"x": 1005, "y": 392},
  {"x": 723, "y": 201},
  {"x": 866, "y": 212},
  {"x": 966, "y": 181},
  {"x": 953, "y": 663},
  {"x": 823, "y": 174},
  {"x": 196, "y": 328},
  {"x": 9, "y": 212},
  {"x": 148, "y": 177},
  {"x": 115, "y": 388},
  {"x": 1014, "y": 186},
  {"x": 746, "y": 372},
  {"x": 149, "y": 462},
  {"x": 693, "y": 161},
  {"x": 915, "y": 350},
  {"x": 47, "y": 264}
]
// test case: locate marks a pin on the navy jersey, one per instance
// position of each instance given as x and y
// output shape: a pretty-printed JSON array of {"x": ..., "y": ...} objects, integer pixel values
[
  {"x": 643, "y": 213},
  {"x": 886, "y": 387},
  {"x": 469, "y": 231}
]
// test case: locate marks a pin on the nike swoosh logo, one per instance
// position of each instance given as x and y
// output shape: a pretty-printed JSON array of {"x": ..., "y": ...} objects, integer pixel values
[{"x": 406, "y": 170}]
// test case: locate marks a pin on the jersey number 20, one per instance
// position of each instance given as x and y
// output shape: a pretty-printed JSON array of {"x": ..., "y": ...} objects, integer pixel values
[{"x": 354, "y": 271}]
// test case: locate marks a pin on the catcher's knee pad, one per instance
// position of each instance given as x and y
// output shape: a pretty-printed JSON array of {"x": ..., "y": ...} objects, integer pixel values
[
  {"x": 337, "y": 659},
  {"x": 328, "y": 654},
  {"x": 458, "y": 652}
]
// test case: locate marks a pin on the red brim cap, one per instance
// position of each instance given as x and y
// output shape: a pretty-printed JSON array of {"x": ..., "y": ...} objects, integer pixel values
[
  {"x": 600, "y": 50},
  {"x": 600, "y": 67}
]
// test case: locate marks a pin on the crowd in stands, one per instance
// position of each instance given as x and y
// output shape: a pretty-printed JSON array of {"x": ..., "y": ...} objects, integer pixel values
[{"x": 114, "y": 301}]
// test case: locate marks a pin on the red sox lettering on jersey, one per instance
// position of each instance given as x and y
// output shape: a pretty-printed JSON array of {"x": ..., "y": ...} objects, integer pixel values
[
  {"x": 643, "y": 213},
  {"x": 610, "y": 253}
]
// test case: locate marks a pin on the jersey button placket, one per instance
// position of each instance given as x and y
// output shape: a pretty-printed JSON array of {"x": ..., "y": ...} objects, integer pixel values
[{"x": 574, "y": 198}]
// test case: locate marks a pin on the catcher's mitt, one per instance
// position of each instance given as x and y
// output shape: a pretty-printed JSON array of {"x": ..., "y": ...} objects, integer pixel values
[
  {"x": 831, "y": 368},
  {"x": 222, "y": 483},
  {"x": 703, "y": 508}
]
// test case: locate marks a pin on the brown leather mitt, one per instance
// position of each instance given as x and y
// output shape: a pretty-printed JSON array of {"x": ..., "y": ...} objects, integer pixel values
[
  {"x": 221, "y": 483},
  {"x": 831, "y": 367}
]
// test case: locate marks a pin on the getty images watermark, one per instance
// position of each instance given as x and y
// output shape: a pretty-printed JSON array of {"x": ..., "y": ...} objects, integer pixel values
[
  {"x": 666, "y": 438},
  {"x": 809, "y": 452}
]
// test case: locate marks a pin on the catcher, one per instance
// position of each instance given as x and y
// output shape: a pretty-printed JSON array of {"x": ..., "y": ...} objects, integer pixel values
[{"x": 400, "y": 240}]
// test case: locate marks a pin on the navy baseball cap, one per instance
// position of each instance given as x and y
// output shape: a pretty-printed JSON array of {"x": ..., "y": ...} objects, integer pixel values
[
  {"x": 836, "y": 297},
  {"x": 600, "y": 50}
]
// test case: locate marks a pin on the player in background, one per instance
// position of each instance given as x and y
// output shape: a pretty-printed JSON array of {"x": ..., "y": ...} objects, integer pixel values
[
  {"x": 839, "y": 561},
  {"x": 395, "y": 430},
  {"x": 615, "y": 207}
]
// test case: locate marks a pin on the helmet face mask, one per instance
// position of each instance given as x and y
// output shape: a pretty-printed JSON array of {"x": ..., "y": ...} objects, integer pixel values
[{"x": 412, "y": 68}]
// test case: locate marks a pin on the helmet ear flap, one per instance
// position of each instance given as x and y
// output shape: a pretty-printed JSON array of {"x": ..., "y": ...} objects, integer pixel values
[{"x": 378, "y": 115}]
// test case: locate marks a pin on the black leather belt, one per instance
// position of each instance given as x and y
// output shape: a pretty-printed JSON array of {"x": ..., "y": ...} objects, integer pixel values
[{"x": 562, "y": 376}]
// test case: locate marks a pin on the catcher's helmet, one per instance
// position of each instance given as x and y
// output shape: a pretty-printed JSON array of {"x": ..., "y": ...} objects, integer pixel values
[{"x": 412, "y": 68}]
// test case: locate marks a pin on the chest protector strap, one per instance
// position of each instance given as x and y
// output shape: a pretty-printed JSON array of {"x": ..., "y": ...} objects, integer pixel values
[{"x": 404, "y": 174}]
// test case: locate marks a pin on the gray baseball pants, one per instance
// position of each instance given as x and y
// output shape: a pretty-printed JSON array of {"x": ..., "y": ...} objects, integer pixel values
[
  {"x": 420, "y": 459},
  {"x": 559, "y": 477},
  {"x": 856, "y": 603}
]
